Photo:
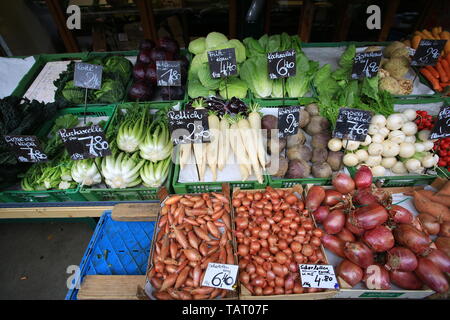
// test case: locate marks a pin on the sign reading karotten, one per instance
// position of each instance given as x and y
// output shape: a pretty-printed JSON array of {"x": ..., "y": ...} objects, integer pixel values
[
  {"x": 26, "y": 148},
  {"x": 281, "y": 64},
  {"x": 366, "y": 64},
  {"x": 222, "y": 63},
  {"x": 85, "y": 142},
  {"x": 189, "y": 126},
  {"x": 288, "y": 121},
  {"x": 222, "y": 276},
  {"x": 428, "y": 52},
  {"x": 88, "y": 75},
  {"x": 168, "y": 73},
  {"x": 352, "y": 124},
  {"x": 318, "y": 276}
]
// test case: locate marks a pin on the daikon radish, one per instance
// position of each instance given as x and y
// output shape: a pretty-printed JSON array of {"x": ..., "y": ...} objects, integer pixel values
[
  {"x": 239, "y": 151},
  {"x": 254, "y": 118},
  {"x": 224, "y": 144},
  {"x": 185, "y": 154},
  {"x": 250, "y": 145},
  {"x": 212, "y": 147}
]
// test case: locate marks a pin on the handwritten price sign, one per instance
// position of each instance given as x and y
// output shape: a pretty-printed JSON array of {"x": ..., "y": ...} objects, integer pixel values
[
  {"x": 189, "y": 126},
  {"x": 442, "y": 127},
  {"x": 428, "y": 52},
  {"x": 318, "y": 276},
  {"x": 288, "y": 121},
  {"x": 87, "y": 75},
  {"x": 222, "y": 63},
  {"x": 281, "y": 64},
  {"x": 26, "y": 148},
  {"x": 222, "y": 276},
  {"x": 352, "y": 124},
  {"x": 366, "y": 64},
  {"x": 168, "y": 73},
  {"x": 85, "y": 142}
]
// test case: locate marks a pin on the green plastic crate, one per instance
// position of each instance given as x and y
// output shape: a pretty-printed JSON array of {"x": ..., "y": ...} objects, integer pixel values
[
  {"x": 129, "y": 194},
  {"x": 57, "y": 195},
  {"x": 199, "y": 187}
]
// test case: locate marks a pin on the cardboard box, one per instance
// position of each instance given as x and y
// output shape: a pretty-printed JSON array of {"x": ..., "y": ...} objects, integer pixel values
[
  {"x": 163, "y": 196},
  {"x": 360, "y": 291},
  {"x": 245, "y": 293}
]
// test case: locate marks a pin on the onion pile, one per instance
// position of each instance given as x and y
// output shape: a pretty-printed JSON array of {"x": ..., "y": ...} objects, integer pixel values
[
  {"x": 358, "y": 233},
  {"x": 275, "y": 233},
  {"x": 188, "y": 238}
]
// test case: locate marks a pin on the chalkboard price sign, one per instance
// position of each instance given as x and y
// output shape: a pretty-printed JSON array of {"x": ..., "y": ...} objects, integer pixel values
[
  {"x": 189, "y": 126},
  {"x": 26, "y": 148},
  {"x": 428, "y": 52},
  {"x": 85, "y": 142},
  {"x": 442, "y": 126},
  {"x": 222, "y": 63},
  {"x": 366, "y": 64},
  {"x": 87, "y": 75},
  {"x": 352, "y": 124},
  {"x": 288, "y": 121},
  {"x": 281, "y": 64},
  {"x": 168, "y": 73}
]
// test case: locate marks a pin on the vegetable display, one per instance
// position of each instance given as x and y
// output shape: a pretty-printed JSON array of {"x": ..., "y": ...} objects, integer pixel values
[
  {"x": 193, "y": 230},
  {"x": 116, "y": 74},
  {"x": 381, "y": 243},
  {"x": 274, "y": 233},
  {"x": 393, "y": 144},
  {"x": 144, "y": 86}
]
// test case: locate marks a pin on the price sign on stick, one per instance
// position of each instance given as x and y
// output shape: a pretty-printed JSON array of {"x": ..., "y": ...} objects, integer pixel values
[
  {"x": 318, "y": 276},
  {"x": 366, "y": 64},
  {"x": 189, "y": 126},
  {"x": 222, "y": 63},
  {"x": 85, "y": 142},
  {"x": 352, "y": 124},
  {"x": 222, "y": 276},
  {"x": 281, "y": 64},
  {"x": 26, "y": 148},
  {"x": 168, "y": 73},
  {"x": 441, "y": 128},
  {"x": 288, "y": 121},
  {"x": 87, "y": 75},
  {"x": 428, "y": 52}
]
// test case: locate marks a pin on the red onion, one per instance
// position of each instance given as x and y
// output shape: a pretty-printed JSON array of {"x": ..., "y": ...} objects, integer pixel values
[
  {"x": 334, "y": 244},
  {"x": 429, "y": 223},
  {"x": 445, "y": 229},
  {"x": 376, "y": 277},
  {"x": 334, "y": 222},
  {"x": 363, "y": 177},
  {"x": 359, "y": 253},
  {"x": 346, "y": 235},
  {"x": 381, "y": 195},
  {"x": 343, "y": 183},
  {"x": 369, "y": 217},
  {"x": 402, "y": 259},
  {"x": 430, "y": 274},
  {"x": 405, "y": 280},
  {"x": 321, "y": 213},
  {"x": 364, "y": 197},
  {"x": 410, "y": 237},
  {"x": 314, "y": 198},
  {"x": 139, "y": 71},
  {"x": 443, "y": 244},
  {"x": 169, "y": 44},
  {"x": 150, "y": 73},
  {"x": 146, "y": 44},
  {"x": 349, "y": 272},
  {"x": 332, "y": 197},
  {"x": 440, "y": 259},
  {"x": 350, "y": 227},
  {"x": 159, "y": 53},
  {"x": 379, "y": 239},
  {"x": 140, "y": 90},
  {"x": 400, "y": 215},
  {"x": 144, "y": 56}
]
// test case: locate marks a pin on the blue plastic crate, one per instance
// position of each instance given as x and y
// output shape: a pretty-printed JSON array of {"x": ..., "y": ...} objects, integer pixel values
[{"x": 116, "y": 248}]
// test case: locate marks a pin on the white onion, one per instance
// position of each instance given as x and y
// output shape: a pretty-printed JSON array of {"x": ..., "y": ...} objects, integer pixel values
[
  {"x": 390, "y": 148},
  {"x": 379, "y": 120},
  {"x": 350, "y": 160},
  {"x": 414, "y": 166},
  {"x": 373, "y": 161},
  {"x": 335, "y": 144},
  {"x": 407, "y": 150},
  {"x": 397, "y": 136},
  {"x": 410, "y": 114},
  {"x": 428, "y": 145},
  {"x": 399, "y": 168},
  {"x": 367, "y": 141},
  {"x": 423, "y": 135},
  {"x": 388, "y": 162},
  {"x": 350, "y": 144},
  {"x": 362, "y": 155},
  {"x": 410, "y": 139},
  {"x": 384, "y": 132},
  {"x": 395, "y": 121},
  {"x": 375, "y": 149},
  {"x": 378, "y": 171},
  {"x": 409, "y": 128},
  {"x": 377, "y": 138},
  {"x": 373, "y": 129},
  {"x": 429, "y": 160},
  {"x": 419, "y": 147}
]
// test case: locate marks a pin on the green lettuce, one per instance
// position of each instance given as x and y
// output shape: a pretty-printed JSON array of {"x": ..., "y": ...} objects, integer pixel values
[{"x": 234, "y": 87}]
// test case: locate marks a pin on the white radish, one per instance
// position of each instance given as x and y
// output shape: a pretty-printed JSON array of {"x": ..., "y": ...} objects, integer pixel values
[
  {"x": 254, "y": 119},
  {"x": 185, "y": 154},
  {"x": 238, "y": 148},
  {"x": 224, "y": 144},
  {"x": 247, "y": 136},
  {"x": 212, "y": 148}
]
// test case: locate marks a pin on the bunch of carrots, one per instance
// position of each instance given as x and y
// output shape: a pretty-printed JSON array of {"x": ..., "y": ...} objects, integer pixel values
[
  {"x": 439, "y": 74},
  {"x": 436, "y": 33}
]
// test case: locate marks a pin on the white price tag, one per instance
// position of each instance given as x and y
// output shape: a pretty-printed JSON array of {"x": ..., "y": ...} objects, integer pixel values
[
  {"x": 221, "y": 276},
  {"x": 318, "y": 276}
]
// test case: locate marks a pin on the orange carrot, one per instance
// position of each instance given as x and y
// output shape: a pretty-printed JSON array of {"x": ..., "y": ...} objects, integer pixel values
[
  {"x": 446, "y": 67},
  {"x": 442, "y": 75},
  {"x": 415, "y": 41},
  {"x": 428, "y": 34},
  {"x": 434, "y": 81},
  {"x": 433, "y": 71}
]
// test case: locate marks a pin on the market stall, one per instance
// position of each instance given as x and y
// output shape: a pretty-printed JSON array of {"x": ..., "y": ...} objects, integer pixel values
[{"x": 268, "y": 156}]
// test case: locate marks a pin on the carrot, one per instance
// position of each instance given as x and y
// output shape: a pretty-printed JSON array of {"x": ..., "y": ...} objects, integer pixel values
[
  {"x": 427, "y": 34},
  {"x": 442, "y": 75},
  {"x": 433, "y": 71},
  {"x": 445, "y": 190},
  {"x": 415, "y": 41},
  {"x": 435, "y": 32},
  {"x": 425, "y": 205},
  {"x": 420, "y": 34},
  {"x": 434, "y": 81},
  {"x": 446, "y": 67},
  {"x": 444, "y": 200}
]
